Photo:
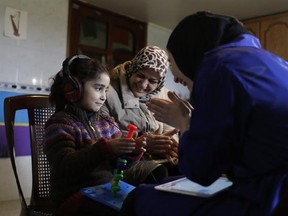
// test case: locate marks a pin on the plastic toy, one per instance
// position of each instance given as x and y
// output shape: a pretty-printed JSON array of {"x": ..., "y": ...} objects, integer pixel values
[{"x": 118, "y": 173}]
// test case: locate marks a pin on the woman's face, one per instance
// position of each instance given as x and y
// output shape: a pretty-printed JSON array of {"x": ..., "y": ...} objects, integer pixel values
[
  {"x": 94, "y": 93},
  {"x": 179, "y": 77},
  {"x": 144, "y": 82}
]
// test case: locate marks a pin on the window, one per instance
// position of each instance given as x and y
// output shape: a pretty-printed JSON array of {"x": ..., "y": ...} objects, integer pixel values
[{"x": 106, "y": 36}]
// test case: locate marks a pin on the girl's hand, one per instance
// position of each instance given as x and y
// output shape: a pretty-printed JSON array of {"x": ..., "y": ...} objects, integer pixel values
[{"x": 122, "y": 145}]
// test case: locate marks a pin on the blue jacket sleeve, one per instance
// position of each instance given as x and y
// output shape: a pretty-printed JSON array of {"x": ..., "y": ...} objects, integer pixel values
[{"x": 209, "y": 147}]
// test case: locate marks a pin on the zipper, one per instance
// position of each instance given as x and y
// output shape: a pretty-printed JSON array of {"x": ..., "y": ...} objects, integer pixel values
[
  {"x": 91, "y": 126},
  {"x": 93, "y": 132}
]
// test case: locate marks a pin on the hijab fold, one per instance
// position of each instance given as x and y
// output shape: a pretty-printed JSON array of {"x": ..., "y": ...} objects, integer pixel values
[
  {"x": 199, "y": 33},
  {"x": 149, "y": 57}
]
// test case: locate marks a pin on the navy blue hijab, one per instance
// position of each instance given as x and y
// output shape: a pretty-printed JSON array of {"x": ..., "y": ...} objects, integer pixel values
[{"x": 198, "y": 33}]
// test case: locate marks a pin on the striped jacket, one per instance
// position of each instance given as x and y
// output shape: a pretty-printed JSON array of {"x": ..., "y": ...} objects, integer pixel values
[{"x": 76, "y": 149}]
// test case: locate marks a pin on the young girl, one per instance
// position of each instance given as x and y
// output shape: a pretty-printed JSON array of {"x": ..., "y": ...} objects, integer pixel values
[{"x": 82, "y": 144}]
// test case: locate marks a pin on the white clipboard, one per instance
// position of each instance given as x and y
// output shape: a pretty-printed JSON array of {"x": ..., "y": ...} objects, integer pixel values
[{"x": 188, "y": 187}]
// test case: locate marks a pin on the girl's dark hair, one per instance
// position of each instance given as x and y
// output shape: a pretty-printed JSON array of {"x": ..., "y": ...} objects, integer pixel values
[{"x": 82, "y": 69}]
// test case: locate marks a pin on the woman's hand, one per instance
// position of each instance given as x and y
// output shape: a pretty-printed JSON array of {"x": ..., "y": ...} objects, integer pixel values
[
  {"x": 176, "y": 112},
  {"x": 162, "y": 144},
  {"x": 140, "y": 144},
  {"x": 122, "y": 145},
  {"x": 173, "y": 152}
]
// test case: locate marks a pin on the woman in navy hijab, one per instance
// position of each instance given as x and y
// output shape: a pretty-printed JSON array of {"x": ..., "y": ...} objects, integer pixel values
[{"x": 238, "y": 125}]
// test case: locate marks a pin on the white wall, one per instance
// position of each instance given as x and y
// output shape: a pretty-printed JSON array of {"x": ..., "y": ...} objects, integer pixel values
[
  {"x": 42, "y": 53},
  {"x": 39, "y": 57}
]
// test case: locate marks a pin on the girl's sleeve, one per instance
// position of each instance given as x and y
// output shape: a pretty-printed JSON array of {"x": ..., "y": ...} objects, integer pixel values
[{"x": 68, "y": 158}]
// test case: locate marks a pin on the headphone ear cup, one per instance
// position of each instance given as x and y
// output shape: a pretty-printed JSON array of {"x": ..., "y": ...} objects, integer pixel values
[{"x": 72, "y": 89}]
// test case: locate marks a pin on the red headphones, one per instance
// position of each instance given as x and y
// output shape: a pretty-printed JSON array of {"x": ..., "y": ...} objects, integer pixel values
[{"x": 72, "y": 86}]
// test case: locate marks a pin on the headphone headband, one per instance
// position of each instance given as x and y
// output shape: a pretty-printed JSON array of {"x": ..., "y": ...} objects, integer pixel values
[
  {"x": 72, "y": 86},
  {"x": 65, "y": 66}
]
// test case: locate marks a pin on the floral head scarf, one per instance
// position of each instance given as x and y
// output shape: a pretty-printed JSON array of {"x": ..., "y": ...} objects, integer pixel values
[{"x": 149, "y": 57}]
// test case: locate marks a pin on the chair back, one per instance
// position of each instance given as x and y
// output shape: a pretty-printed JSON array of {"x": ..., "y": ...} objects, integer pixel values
[{"x": 38, "y": 110}]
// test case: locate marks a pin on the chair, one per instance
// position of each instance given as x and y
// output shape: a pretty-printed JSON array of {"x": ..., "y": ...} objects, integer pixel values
[{"x": 38, "y": 110}]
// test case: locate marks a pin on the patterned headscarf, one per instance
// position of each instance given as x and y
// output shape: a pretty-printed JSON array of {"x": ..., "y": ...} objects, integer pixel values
[{"x": 149, "y": 57}]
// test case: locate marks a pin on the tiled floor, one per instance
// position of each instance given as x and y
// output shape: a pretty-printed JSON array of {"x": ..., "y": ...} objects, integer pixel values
[{"x": 10, "y": 208}]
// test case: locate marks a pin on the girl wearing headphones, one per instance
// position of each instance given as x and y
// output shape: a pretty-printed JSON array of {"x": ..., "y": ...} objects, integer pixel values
[{"x": 81, "y": 143}]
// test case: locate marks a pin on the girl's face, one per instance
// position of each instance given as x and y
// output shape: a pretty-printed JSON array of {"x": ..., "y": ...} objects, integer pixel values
[
  {"x": 143, "y": 82},
  {"x": 94, "y": 93},
  {"x": 179, "y": 77}
]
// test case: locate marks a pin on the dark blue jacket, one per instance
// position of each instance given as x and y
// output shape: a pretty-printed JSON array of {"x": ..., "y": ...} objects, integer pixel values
[
  {"x": 239, "y": 127},
  {"x": 240, "y": 121}
]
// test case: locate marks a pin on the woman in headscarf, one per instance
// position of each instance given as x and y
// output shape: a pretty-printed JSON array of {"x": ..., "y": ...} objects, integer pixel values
[
  {"x": 133, "y": 83},
  {"x": 238, "y": 126}
]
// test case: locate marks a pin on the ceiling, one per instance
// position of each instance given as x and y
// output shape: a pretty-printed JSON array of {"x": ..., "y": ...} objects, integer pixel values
[{"x": 167, "y": 13}]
